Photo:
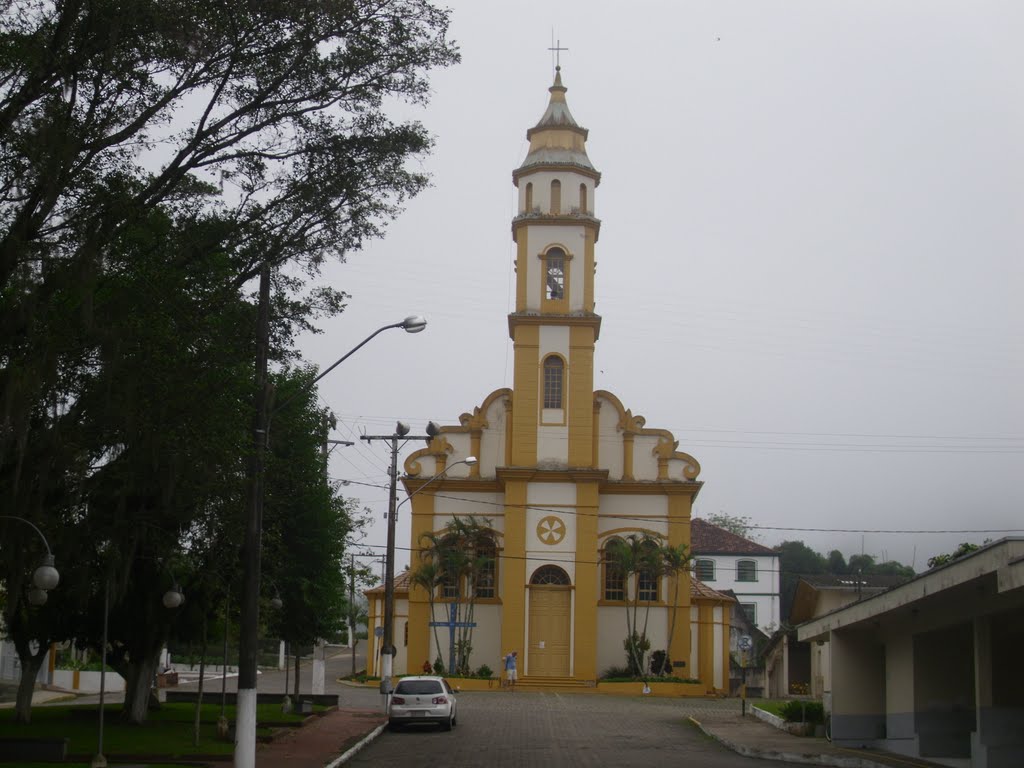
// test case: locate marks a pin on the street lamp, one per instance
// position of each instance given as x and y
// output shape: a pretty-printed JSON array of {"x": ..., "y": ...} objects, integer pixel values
[
  {"x": 388, "y": 646},
  {"x": 172, "y": 598},
  {"x": 45, "y": 577},
  {"x": 245, "y": 725}
]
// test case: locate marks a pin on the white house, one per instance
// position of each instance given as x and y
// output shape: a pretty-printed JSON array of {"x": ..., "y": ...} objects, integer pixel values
[{"x": 723, "y": 560}]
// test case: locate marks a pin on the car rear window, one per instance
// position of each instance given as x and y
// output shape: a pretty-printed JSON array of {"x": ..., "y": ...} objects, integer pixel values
[{"x": 414, "y": 687}]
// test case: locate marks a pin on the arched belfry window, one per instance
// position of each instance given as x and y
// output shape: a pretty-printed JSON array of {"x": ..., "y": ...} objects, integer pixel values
[
  {"x": 556, "y": 196},
  {"x": 554, "y": 381},
  {"x": 554, "y": 275},
  {"x": 529, "y": 198},
  {"x": 550, "y": 575},
  {"x": 583, "y": 199}
]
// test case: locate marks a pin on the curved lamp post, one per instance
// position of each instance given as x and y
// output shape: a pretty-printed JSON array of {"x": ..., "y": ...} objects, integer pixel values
[
  {"x": 245, "y": 738},
  {"x": 388, "y": 647},
  {"x": 45, "y": 577},
  {"x": 172, "y": 598}
]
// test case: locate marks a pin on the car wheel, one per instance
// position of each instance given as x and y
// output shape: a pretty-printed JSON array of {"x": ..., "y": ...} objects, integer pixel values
[{"x": 447, "y": 724}]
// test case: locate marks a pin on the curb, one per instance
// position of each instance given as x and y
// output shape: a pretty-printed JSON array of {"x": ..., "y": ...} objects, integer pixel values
[
  {"x": 789, "y": 757},
  {"x": 351, "y": 751}
]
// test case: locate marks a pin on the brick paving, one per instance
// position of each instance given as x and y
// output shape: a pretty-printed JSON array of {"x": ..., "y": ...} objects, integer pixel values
[{"x": 561, "y": 729}]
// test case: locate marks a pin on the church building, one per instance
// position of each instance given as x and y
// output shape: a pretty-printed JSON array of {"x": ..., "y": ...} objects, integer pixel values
[{"x": 562, "y": 470}]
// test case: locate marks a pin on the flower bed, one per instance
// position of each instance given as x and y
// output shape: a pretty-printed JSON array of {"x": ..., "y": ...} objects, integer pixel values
[{"x": 636, "y": 688}]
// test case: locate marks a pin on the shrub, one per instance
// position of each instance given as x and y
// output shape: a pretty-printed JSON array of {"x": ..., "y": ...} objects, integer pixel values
[
  {"x": 803, "y": 712},
  {"x": 439, "y": 666},
  {"x": 617, "y": 672},
  {"x": 485, "y": 672},
  {"x": 636, "y": 647},
  {"x": 657, "y": 660}
]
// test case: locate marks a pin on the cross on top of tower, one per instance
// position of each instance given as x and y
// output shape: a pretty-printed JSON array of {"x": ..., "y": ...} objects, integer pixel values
[{"x": 556, "y": 48}]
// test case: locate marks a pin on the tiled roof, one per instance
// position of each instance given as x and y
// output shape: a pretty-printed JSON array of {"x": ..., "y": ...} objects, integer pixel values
[
  {"x": 709, "y": 539},
  {"x": 401, "y": 584},
  {"x": 702, "y": 590}
]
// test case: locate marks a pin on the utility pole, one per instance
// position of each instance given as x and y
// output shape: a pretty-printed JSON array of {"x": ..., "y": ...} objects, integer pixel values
[
  {"x": 388, "y": 650},
  {"x": 248, "y": 652}
]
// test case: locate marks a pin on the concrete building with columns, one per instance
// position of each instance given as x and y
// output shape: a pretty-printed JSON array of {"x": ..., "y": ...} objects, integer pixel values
[
  {"x": 563, "y": 468},
  {"x": 931, "y": 668}
]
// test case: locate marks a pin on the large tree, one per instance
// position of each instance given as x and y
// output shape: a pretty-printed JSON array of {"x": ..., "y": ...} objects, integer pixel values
[{"x": 153, "y": 156}]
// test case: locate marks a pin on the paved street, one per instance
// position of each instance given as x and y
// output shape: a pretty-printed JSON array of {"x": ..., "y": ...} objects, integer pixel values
[{"x": 551, "y": 729}]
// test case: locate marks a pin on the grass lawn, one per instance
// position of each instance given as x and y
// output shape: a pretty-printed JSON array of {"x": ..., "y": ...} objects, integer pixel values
[
  {"x": 167, "y": 732},
  {"x": 768, "y": 705}
]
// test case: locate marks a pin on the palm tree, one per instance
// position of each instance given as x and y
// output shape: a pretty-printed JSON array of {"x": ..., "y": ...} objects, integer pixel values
[
  {"x": 675, "y": 561},
  {"x": 633, "y": 557},
  {"x": 458, "y": 558}
]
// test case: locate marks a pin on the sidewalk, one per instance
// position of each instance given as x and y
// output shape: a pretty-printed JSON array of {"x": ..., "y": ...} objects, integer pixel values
[
  {"x": 753, "y": 738},
  {"x": 326, "y": 741}
]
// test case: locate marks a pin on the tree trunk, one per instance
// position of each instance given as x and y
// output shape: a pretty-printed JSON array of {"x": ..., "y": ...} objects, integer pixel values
[
  {"x": 199, "y": 694},
  {"x": 354, "y": 644},
  {"x": 30, "y": 664},
  {"x": 671, "y": 627},
  {"x": 297, "y": 658},
  {"x": 138, "y": 687}
]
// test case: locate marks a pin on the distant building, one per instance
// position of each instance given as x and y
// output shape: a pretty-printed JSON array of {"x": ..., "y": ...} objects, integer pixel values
[
  {"x": 798, "y": 668},
  {"x": 725, "y": 561}
]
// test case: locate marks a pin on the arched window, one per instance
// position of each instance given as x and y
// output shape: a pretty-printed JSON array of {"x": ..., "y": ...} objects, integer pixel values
[
  {"x": 746, "y": 570},
  {"x": 704, "y": 570},
  {"x": 556, "y": 196},
  {"x": 450, "y": 585},
  {"x": 614, "y": 578},
  {"x": 486, "y": 575},
  {"x": 529, "y": 198},
  {"x": 554, "y": 381},
  {"x": 554, "y": 278},
  {"x": 647, "y": 576},
  {"x": 583, "y": 199},
  {"x": 550, "y": 575}
]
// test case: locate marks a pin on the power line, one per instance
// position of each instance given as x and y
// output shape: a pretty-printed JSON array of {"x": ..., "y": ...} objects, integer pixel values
[{"x": 661, "y": 518}]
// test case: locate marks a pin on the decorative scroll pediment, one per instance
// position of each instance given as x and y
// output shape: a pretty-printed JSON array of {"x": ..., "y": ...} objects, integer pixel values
[
  {"x": 439, "y": 448},
  {"x": 666, "y": 449}
]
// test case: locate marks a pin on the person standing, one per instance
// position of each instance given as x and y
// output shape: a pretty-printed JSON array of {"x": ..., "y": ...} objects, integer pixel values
[{"x": 510, "y": 670}]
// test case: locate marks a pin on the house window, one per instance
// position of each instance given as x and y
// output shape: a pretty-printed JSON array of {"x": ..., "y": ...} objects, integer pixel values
[
  {"x": 583, "y": 199},
  {"x": 556, "y": 196},
  {"x": 750, "y": 609},
  {"x": 554, "y": 277},
  {"x": 529, "y": 198},
  {"x": 486, "y": 574},
  {"x": 647, "y": 578},
  {"x": 614, "y": 578},
  {"x": 746, "y": 570},
  {"x": 704, "y": 570},
  {"x": 554, "y": 376}
]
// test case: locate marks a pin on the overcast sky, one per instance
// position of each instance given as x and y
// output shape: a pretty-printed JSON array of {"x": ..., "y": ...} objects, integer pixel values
[{"x": 809, "y": 269}]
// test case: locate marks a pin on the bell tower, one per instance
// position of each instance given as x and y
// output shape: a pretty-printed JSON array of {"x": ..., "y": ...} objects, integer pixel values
[{"x": 554, "y": 326}]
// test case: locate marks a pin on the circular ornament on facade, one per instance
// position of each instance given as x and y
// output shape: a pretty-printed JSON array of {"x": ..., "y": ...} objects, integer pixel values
[{"x": 551, "y": 530}]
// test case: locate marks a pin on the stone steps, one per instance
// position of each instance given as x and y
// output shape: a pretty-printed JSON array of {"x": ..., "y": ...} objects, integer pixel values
[{"x": 549, "y": 682}]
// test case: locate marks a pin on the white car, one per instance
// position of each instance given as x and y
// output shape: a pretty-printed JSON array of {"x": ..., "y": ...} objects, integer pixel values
[{"x": 423, "y": 699}]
